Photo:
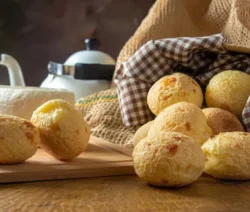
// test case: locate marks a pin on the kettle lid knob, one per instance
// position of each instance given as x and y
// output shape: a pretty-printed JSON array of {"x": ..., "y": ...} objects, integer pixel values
[{"x": 92, "y": 44}]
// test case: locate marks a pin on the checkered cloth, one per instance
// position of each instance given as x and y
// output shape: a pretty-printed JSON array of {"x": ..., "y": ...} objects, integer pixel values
[
  {"x": 246, "y": 115},
  {"x": 200, "y": 58}
]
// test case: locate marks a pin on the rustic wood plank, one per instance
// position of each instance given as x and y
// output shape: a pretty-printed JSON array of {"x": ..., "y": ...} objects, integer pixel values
[{"x": 124, "y": 193}]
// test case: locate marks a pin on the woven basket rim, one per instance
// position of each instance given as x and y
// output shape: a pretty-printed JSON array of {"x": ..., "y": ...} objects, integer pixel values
[{"x": 237, "y": 48}]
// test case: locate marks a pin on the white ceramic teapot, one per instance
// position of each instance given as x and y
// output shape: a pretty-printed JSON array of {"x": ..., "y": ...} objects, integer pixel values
[{"x": 85, "y": 72}]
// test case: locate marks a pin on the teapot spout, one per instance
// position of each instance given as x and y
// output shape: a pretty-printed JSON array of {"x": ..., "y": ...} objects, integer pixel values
[{"x": 14, "y": 69}]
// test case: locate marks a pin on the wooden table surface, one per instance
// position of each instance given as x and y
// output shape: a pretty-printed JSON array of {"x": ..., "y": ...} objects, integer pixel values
[{"x": 124, "y": 193}]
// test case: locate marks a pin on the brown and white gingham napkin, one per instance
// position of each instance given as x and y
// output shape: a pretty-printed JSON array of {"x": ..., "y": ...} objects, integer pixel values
[
  {"x": 200, "y": 57},
  {"x": 246, "y": 115}
]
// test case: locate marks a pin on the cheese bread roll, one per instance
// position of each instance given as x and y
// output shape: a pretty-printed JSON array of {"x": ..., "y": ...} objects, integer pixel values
[
  {"x": 172, "y": 89},
  {"x": 141, "y": 133},
  {"x": 229, "y": 90},
  {"x": 64, "y": 134},
  {"x": 222, "y": 121},
  {"x": 183, "y": 117},
  {"x": 18, "y": 139},
  {"x": 169, "y": 159},
  {"x": 228, "y": 156}
]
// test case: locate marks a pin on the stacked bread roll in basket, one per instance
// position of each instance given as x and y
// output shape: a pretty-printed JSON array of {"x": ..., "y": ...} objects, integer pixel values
[{"x": 188, "y": 137}]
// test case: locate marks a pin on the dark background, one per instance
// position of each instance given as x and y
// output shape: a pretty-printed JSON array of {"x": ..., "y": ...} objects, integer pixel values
[{"x": 37, "y": 31}]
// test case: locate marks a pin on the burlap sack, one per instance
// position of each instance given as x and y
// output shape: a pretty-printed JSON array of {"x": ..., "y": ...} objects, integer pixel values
[
  {"x": 166, "y": 19},
  {"x": 193, "y": 18},
  {"x": 102, "y": 112}
]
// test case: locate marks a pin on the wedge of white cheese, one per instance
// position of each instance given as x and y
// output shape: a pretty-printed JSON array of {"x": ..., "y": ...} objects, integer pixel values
[{"x": 22, "y": 101}]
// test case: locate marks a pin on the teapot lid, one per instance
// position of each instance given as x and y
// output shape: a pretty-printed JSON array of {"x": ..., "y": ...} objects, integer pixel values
[{"x": 91, "y": 54}]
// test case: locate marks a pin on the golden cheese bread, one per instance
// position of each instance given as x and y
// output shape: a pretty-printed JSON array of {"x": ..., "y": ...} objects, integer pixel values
[
  {"x": 183, "y": 117},
  {"x": 18, "y": 139},
  {"x": 169, "y": 159},
  {"x": 172, "y": 89},
  {"x": 222, "y": 121},
  {"x": 229, "y": 90},
  {"x": 141, "y": 133},
  {"x": 228, "y": 156},
  {"x": 64, "y": 134}
]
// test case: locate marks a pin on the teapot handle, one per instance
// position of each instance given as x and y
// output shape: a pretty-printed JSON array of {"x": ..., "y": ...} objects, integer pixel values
[{"x": 14, "y": 70}]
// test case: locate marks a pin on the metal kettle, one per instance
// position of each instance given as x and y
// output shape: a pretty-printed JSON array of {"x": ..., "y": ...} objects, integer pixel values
[{"x": 84, "y": 72}]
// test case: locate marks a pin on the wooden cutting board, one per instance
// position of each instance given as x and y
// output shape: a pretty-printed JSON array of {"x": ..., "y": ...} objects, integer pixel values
[{"x": 101, "y": 158}]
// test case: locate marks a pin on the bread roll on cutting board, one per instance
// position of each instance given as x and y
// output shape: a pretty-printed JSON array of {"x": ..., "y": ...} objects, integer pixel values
[
  {"x": 64, "y": 133},
  {"x": 18, "y": 139}
]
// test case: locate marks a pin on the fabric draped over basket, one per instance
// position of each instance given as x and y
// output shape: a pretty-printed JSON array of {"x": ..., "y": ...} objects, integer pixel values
[{"x": 199, "y": 57}]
